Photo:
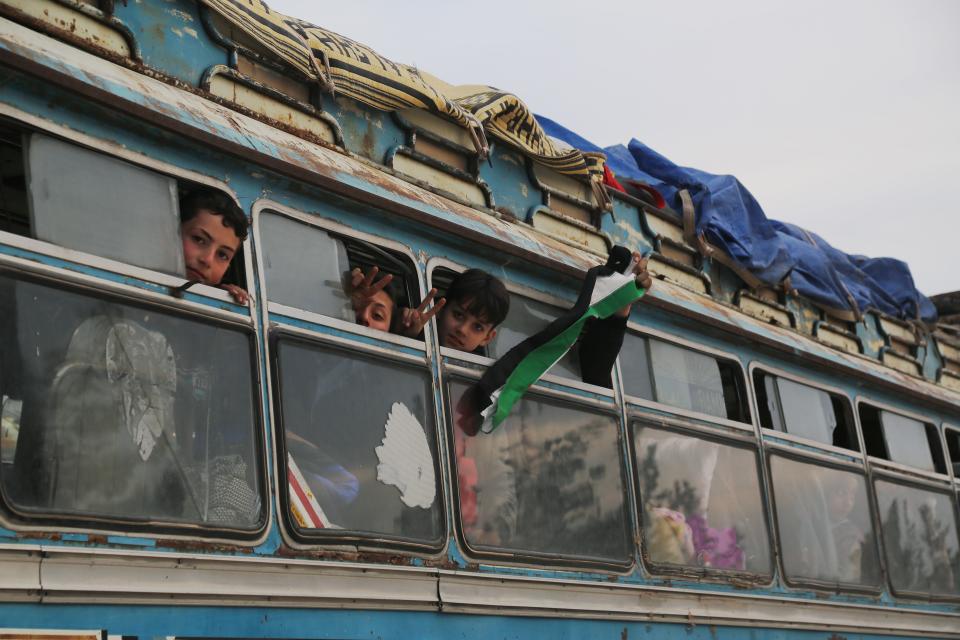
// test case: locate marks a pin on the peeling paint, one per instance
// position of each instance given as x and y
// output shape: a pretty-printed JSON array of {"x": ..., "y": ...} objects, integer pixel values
[{"x": 183, "y": 15}]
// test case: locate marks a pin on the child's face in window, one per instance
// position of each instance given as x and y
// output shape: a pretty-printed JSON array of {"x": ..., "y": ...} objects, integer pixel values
[
  {"x": 208, "y": 247},
  {"x": 460, "y": 329},
  {"x": 378, "y": 313}
]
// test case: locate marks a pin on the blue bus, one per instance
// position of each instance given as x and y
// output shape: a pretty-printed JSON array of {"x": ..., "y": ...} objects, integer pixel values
[{"x": 176, "y": 464}]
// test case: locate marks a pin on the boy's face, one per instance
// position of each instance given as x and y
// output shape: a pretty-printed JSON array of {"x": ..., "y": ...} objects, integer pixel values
[
  {"x": 378, "y": 313},
  {"x": 460, "y": 329},
  {"x": 208, "y": 247}
]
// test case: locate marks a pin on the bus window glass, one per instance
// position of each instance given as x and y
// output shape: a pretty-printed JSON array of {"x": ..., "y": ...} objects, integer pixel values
[
  {"x": 823, "y": 518},
  {"x": 304, "y": 266},
  {"x": 525, "y": 318},
  {"x": 125, "y": 412},
  {"x": 906, "y": 440},
  {"x": 361, "y": 444},
  {"x": 687, "y": 379},
  {"x": 808, "y": 412},
  {"x": 702, "y": 505},
  {"x": 920, "y": 539},
  {"x": 635, "y": 367},
  {"x": 135, "y": 220},
  {"x": 548, "y": 480}
]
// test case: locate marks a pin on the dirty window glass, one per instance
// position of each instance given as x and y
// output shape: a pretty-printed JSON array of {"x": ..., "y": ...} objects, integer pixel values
[
  {"x": 361, "y": 445},
  {"x": 906, "y": 440},
  {"x": 702, "y": 505},
  {"x": 808, "y": 412},
  {"x": 687, "y": 379},
  {"x": 525, "y": 318},
  {"x": 135, "y": 220},
  {"x": 920, "y": 539},
  {"x": 635, "y": 367},
  {"x": 823, "y": 515},
  {"x": 121, "y": 411},
  {"x": 304, "y": 266},
  {"x": 548, "y": 480}
]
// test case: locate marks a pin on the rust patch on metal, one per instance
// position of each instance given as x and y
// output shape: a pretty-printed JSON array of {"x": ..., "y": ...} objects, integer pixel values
[{"x": 194, "y": 546}]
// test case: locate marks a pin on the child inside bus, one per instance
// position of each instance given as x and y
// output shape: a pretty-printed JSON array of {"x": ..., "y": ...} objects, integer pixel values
[
  {"x": 212, "y": 228},
  {"x": 474, "y": 306}
]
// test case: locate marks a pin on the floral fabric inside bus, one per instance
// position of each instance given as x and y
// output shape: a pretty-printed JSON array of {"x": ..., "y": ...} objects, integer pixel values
[
  {"x": 125, "y": 412},
  {"x": 549, "y": 480},
  {"x": 702, "y": 505},
  {"x": 823, "y": 516},
  {"x": 920, "y": 539},
  {"x": 361, "y": 452}
]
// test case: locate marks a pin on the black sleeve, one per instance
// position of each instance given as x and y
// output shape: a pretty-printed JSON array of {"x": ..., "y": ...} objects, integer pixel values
[{"x": 600, "y": 343}]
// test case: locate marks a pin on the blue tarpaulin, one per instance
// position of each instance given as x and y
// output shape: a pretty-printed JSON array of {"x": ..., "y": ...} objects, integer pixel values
[{"x": 731, "y": 220}]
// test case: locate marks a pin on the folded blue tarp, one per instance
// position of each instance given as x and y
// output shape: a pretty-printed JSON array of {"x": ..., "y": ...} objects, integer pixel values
[{"x": 731, "y": 219}]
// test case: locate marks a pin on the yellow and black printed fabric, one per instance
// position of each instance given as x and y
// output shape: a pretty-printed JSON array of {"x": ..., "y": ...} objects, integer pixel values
[{"x": 357, "y": 71}]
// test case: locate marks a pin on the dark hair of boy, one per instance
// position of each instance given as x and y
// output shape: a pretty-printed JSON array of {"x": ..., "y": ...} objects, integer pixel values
[
  {"x": 218, "y": 203},
  {"x": 481, "y": 294}
]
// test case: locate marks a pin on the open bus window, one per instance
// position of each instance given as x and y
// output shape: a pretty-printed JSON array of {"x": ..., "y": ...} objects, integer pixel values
[
  {"x": 549, "y": 480},
  {"x": 802, "y": 410},
  {"x": 920, "y": 539},
  {"x": 525, "y": 318},
  {"x": 360, "y": 442},
  {"x": 125, "y": 413},
  {"x": 683, "y": 378},
  {"x": 900, "y": 439},
  {"x": 53, "y": 191},
  {"x": 823, "y": 518},
  {"x": 952, "y": 436},
  {"x": 701, "y": 503},
  {"x": 308, "y": 268},
  {"x": 14, "y": 211},
  {"x": 135, "y": 220}
]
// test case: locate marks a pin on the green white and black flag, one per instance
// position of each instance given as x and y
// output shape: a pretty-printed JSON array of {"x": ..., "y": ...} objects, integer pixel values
[{"x": 606, "y": 289}]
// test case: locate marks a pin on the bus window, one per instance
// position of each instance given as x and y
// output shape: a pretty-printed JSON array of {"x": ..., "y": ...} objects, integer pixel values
[
  {"x": 702, "y": 505},
  {"x": 919, "y": 530},
  {"x": 308, "y": 268},
  {"x": 823, "y": 519},
  {"x": 525, "y": 318},
  {"x": 682, "y": 377},
  {"x": 900, "y": 439},
  {"x": 548, "y": 481},
  {"x": 361, "y": 445},
  {"x": 802, "y": 410},
  {"x": 134, "y": 221},
  {"x": 125, "y": 412}
]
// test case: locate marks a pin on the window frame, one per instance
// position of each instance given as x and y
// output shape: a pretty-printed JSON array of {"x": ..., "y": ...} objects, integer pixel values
[
  {"x": 772, "y": 435},
  {"x": 300, "y": 539},
  {"x": 739, "y": 439},
  {"x": 645, "y": 331},
  {"x": 530, "y": 559},
  {"x": 822, "y": 460},
  {"x": 28, "y": 123},
  {"x": 92, "y": 287},
  {"x": 269, "y": 207},
  {"x": 890, "y": 475},
  {"x": 329, "y": 332},
  {"x": 897, "y": 467}
]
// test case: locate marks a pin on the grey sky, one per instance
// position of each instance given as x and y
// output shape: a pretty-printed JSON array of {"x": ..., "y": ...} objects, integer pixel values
[{"x": 839, "y": 116}]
